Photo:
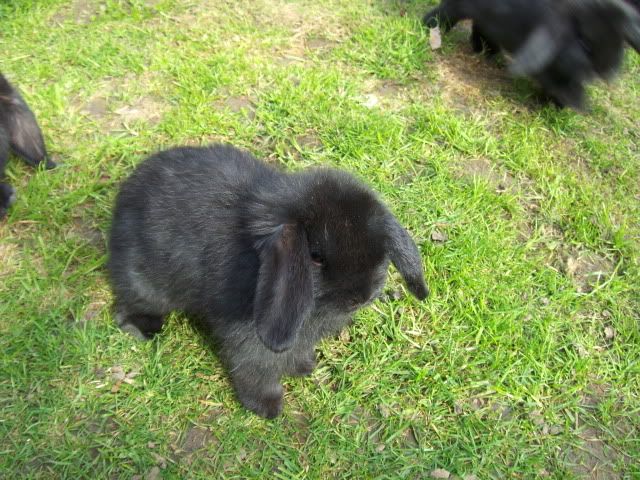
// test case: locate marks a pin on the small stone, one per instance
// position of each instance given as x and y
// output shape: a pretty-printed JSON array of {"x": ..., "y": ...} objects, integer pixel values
[
  {"x": 609, "y": 332},
  {"x": 370, "y": 100},
  {"x": 153, "y": 474},
  {"x": 476, "y": 404},
  {"x": 439, "y": 237},
  {"x": 345, "y": 336},
  {"x": 537, "y": 418},
  {"x": 582, "y": 351},
  {"x": 440, "y": 473},
  {"x": 117, "y": 373},
  {"x": 160, "y": 460},
  {"x": 435, "y": 38}
]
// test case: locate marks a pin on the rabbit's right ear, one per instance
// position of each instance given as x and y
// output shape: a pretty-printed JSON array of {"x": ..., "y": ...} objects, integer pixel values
[
  {"x": 540, "y": 48},
  {"x": 284, "y": 294}
]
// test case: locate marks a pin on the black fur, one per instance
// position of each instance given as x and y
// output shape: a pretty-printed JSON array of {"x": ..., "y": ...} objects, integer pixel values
[
  {"x": 272, "y": 262},
  {"x": 20, "y": 133},
  {"x": 635, "y": 4},
  {"x": 562, "y": 44}
]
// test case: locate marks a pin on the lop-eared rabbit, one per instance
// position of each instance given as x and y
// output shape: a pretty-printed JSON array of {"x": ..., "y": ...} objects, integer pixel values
[
  {"x": 272, "y": 262},
  {"x": 561, "y": 44},
  {"x": 20, "y": 133}
]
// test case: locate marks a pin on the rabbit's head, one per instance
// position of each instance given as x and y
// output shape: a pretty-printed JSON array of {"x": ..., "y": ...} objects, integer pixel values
[
  {"x": 603, "y": 26},
  {"x": 326, "y": 248},
  {"x": 586, "y": 36}
]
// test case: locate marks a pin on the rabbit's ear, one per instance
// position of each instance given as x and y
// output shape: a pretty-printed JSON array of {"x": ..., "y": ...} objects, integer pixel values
[
  {"x": 404, "y": 254},
  {"x": 624, "y": 16},
  {"x": 25, "y": 136},
  {"x": 284, "y": 295},
  {"x": 538, "y": 51}
]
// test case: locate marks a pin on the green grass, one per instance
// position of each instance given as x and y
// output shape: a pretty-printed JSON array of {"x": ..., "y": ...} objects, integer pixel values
[{"x": 524, "y": 362}]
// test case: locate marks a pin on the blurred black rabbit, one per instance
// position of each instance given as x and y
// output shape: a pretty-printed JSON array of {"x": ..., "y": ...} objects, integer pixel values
[
  {"x": 635, "y": 3},
  {"x": 20, "y": 133},
  {"x": 561, "y": 44},
  {"x": 272, "y": 262}
]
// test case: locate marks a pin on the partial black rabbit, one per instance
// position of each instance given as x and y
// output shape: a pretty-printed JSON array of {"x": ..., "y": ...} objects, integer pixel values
[
  {"x": 635, "y": 4},
  {"x": 20, "y": 133},
  {"x": 561, "y": 44},
  {"x": 272, "y": 262}
]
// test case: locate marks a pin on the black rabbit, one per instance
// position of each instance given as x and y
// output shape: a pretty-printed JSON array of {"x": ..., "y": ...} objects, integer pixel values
[
  {"x": 20, "y": 133},
  {"x": 561, "y": 44},
  {"x": 635, "y": 3},
  {"x": 272, "y": 262}
]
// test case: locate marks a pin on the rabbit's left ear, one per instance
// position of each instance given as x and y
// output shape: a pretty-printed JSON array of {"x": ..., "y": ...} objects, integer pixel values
[
  {"x": 540, "y": 48},
  {"x": 284, "y": 294},
  {"x": 24, "y": 133},
  {"x": 405, "y": 256}
]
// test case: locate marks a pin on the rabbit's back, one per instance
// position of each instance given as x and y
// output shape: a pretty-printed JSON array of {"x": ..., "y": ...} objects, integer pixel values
[{"x": 177, "y": 233}]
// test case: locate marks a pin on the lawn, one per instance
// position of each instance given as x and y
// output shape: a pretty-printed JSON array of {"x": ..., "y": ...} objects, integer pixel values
[{"x": 524, "y": 362}]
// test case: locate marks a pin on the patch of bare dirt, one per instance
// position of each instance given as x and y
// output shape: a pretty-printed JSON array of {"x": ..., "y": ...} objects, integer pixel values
[
  {"x": 299, "y": 425},
  {"x": 103, "y": 111},
  {"x": 112, "y": 114},
  {"x": 467, "y": 80},
  {"x": 320, "y": 44},
  {"x": 594, "y": 457},
  {"x": 313, "y": 29},
  {"x": 9, "y": 258},
  {"x": 80, "y": 12},
  {"x": 303, "y": 143},
  {"x": 309, "y": 141},
  {"x": 197, "y": 442},
  {"x": 483, "y": 169},
  {"x": 238, "y": 104},
  {"x": 87, "y": 232},
  {"x": 196, "y": 439},
  {"x": 146, "y": 109},
  {"x": 389, "y": 89},
  {"x": 96, "y": 108},
  {"x": 485, "y": 408},
  {"x": 92, "y": 311},
  {"x": 383, "y": 94},
  {"x": 587, "y": 269}
]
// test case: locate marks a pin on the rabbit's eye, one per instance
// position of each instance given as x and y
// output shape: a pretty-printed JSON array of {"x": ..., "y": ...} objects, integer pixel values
[{"x": 317, "y": 258}]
